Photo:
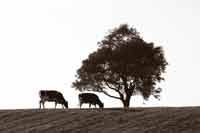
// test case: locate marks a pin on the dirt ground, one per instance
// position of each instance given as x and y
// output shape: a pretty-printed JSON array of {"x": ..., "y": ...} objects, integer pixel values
[{"x": 111, "y": 120}]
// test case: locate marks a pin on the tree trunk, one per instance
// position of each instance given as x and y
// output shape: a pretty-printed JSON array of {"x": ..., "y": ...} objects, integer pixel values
[{"x": 126, "y": 102}]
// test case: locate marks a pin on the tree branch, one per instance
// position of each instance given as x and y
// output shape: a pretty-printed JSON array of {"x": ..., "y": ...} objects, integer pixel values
[
  {"x": 111, "y": 95},
  {"x": 106, "y": 93},
  {"x": 109, "y": 85},
  {"x": 117, "y": 90}
]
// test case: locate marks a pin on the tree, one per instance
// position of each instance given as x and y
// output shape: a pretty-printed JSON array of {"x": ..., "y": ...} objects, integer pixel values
[{"x": 124, "y": 64}]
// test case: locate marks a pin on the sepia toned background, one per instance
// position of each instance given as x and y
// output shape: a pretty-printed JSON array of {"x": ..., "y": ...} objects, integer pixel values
[{"x": 43, "y": 42}]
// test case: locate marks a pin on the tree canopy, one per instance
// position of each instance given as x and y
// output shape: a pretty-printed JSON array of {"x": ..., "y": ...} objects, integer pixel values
[{"x": 125, "y": 64}]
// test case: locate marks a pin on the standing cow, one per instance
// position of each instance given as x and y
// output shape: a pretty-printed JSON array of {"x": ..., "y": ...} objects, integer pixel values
[
  {"x": 52, "y": 96},
  {"x": 90, "y": 98}
]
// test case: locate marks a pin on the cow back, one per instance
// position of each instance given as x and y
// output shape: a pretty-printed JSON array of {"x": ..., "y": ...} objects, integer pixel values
[
  {"x": 51, "y": 95},
  {"x": 88, "y": 98}
]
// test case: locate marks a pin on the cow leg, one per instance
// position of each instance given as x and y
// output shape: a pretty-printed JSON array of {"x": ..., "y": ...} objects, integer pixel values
[
  {"x": 43, "y": 104},
  {"x": 55, "y": 104},
  {"x": 80, "y": 105},
  {"x": 40, "y": 102},
  {"x": 90, "y": 105}
]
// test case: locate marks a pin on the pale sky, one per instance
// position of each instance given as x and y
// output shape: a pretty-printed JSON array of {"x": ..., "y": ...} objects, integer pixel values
[{"x": 43, "y": 42}]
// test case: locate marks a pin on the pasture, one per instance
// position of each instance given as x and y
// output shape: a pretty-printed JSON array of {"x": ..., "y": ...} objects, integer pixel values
[{"x": 109, "y": 120}]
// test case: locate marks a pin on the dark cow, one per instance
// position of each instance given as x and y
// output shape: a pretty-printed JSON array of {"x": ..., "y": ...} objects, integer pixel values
[
  {"x": 90, "y": 98},
  {"x": 52, "y": 96}
]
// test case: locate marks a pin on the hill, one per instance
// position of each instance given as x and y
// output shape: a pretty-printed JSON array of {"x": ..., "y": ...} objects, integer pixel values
[{"x": 111, "y": 120}]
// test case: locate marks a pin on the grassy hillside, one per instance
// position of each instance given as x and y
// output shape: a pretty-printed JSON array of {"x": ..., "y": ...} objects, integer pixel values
[{"x": 148, "y": 120}]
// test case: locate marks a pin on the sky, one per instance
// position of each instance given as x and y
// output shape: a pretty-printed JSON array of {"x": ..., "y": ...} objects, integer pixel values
[{"x": 43, "y": 42}]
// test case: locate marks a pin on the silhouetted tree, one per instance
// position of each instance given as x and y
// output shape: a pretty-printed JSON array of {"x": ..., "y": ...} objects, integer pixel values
[{"x": 125, "y": 64}]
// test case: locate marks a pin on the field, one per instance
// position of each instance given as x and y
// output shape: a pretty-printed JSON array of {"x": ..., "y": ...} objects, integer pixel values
[{"x": 111, "y": 120}]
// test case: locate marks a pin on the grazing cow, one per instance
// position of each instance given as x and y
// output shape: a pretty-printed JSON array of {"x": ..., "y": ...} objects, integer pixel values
[
  {"x": 91, "y": 99},
  {"x": 52, "y": 96}
]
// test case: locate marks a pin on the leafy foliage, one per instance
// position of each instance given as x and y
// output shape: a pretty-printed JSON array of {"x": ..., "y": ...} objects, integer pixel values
[{"x": 124, "y": 63}]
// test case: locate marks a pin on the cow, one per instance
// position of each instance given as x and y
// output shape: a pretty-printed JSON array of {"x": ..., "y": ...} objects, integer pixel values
[
  {"x": 52, "y": 96},
  {"x": 91, "y": 99}
]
